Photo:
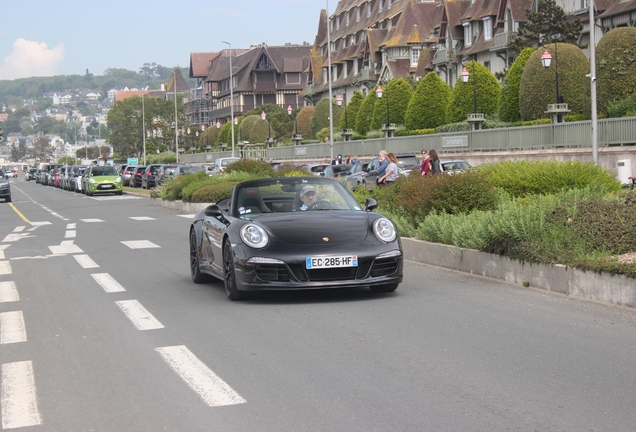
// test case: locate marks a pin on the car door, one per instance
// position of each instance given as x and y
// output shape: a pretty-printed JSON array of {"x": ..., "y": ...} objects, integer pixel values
[
  {"x": 372, "y": 171},
  {"x": 213, "y": 230}
]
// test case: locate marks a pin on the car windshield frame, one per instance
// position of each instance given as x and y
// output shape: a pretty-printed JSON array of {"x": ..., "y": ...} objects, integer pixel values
[{"x": 104, "y": 171}]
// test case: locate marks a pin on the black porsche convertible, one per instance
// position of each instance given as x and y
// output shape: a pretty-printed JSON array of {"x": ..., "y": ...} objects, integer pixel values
[{"x": 294, "y": 233}]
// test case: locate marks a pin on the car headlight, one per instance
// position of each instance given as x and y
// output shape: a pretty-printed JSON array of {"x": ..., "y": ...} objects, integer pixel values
[
  {"x": 93, "y": 181},
  {"x": 254, "y": 236},
  {"x": 118, "y": 180},
  {"x": 384, "y": 230}
]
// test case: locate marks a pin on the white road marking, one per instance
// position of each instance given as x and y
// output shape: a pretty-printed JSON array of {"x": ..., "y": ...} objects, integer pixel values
[
  {"x": 71, "y": 226},
  {"x": 142, "y": 218},
  {"x": 212, "y": 389},
  {"x": 85, "y": 261},
  {"x": 4, "y": 246},
  {"x": 11, "y": 237},
  {"x": 187, "y": 216},
  {"x": 139, "y": 315},
  {"x": 19, "y": 229},
  {"x": 140, "y": 244},
  {"x": 36, "y": 225},
  {"x": 2, "y": 254},
  {"x": 8, "y": 292},
  {"x": 12, "y": 328},
  {"x": 91, "y": 220},
  {"x": 70, "y": 234},
  {"x": 5, "y": 268},
  {"x": 18, "y": 397},
  {"x": 66, "y": 247},
  {"x": 107, "y": 282}
]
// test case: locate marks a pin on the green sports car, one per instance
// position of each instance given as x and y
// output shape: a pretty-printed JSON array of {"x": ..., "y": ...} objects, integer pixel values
[{"x": 102, "y": 179}]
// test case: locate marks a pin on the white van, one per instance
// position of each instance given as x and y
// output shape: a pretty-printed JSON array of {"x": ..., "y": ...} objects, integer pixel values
[{"x": 222, "y": 163}]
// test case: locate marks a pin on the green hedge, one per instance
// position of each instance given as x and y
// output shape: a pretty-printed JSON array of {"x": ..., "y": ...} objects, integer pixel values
[{"x": 213, "y": 193}]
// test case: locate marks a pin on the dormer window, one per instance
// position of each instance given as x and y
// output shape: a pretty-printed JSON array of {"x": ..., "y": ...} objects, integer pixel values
[
  {"x": 468, "y": 34},
  {"x": 347, "y": 18},
  {"x": 358, "y": 13},
  {"x": 368, "y": 9},
  {"x": 380, "y": 6},
  {"x": 487, "y": 28},
  {"x": 337, "y": 23}
]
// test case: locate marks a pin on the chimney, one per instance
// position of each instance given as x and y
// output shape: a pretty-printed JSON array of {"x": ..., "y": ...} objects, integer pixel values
[{"x": 163, "y": 86}]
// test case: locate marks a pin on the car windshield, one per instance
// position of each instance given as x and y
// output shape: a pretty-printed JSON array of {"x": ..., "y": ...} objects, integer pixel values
[
  {"x": 103, "y": 171},
  {"x": 407, "y": 162},
  {"x": 278, "y": 195},
  {"x": 456, "y": 165}
]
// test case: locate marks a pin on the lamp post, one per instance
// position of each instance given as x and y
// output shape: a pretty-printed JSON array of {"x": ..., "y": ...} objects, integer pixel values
[
  {"x": 387, "y": 127},
  {"x": 231, "y": 93},
  {"x": 176, "y": 130},
  {"x": 474, "y": 119},
  {"x": 296, "y": 138},
  {"x": 269, "y": 129},
  {"x": 143, "y": 123},
  {"x": 346, "y": 132},
  {"x": 558, "y": 109}
]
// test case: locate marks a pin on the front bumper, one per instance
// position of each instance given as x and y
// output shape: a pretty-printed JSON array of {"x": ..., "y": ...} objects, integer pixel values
[
  {"x": 5, "y": 192},
  {"x": 107, "y": 187}
]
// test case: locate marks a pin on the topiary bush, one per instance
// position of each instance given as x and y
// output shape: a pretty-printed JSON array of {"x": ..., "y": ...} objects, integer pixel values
[
  {"x": 461, "y": 100},
  {"x": 251, "y": 166},
  {"x": 351, "y": 111},
  {"x": 537, "y": 88},
  {"x": 615, "y": 66},
  {"x": 213, "y": 193},
  {"x": 427, "y": 107},
  {"x": 303, "y": 120},
  {"x": 509, "y": 110},
  {"x": 320, "y": 118},
  {"x": 365, "y": 113},
  {"x": 522, "y": 178},
  {"x": 399, "y": 92},
  {"x": 245, "y": 126},
  {"x": 258, "y": 132}
]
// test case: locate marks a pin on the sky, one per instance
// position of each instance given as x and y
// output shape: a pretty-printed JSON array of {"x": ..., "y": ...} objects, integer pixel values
[{"x": 66, "y": 37}]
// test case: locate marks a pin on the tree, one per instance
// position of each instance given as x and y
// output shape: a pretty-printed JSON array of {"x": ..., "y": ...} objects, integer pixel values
[
  {"x": 548, "y": 24},
  {"x": 486, "y": 87},
  {"x": 427, "y": 107},
  {"x": 509, "y": 110},
  {"x": 351, "y": 111},
  {"x": 303, "y": 120},
  {"x": 365, "y": 113},
  {"x": 616, "y": 66},
  {"x": 537, "y": 88},
  {"x": 42, "y": 150},
  {"x": 320, "y": 118}
]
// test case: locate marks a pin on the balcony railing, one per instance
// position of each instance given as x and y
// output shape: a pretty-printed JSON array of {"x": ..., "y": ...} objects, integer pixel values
[
  {"x": 444, "y": 55},
  {"x": 367, "y": 75},
  {"x": 503, "y": 40}
]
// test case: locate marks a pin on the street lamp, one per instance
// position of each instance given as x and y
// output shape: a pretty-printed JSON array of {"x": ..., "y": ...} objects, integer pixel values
[
  {"x": 559, "y": 109},
  {"x": 474, "y": 119},
  {"x": 269, "y": 129},
  {"x": 387, "y": 128},
  {"x": 176, "y": 130},
  {"x": 239, "y": 130},
  {"x": 340, "y": 99},
  {"x": 231, "y": 93},
  {"x": 143, "y": 123},
  {"x": 296, "y": 138}
]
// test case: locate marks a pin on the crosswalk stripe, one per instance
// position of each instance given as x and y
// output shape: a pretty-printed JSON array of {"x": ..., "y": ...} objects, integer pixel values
[
  {"x": 139, "y": 315},
  {"x": 5, "y": 268},
  {"x": 85, "y": 261},
  {"x": 18, "y": 397},
  {"x": 8, "y": 292},
  {"x": 212, "y": 389},
  {"x": 12, "y": 328},
  {"x": 107, "y": 282}
]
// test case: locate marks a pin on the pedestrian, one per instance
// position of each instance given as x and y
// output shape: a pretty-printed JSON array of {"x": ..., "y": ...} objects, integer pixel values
[
  {"x": 435, "y": 166},
  {"x": 383, "y": 164},
  {"x": 335, "y": 160},
  {"x": 425, "y": 167},
  {"x": 391, "y": 174},
  {"x": 355, "y": 160},
  {"x": 348, "y": 160}
]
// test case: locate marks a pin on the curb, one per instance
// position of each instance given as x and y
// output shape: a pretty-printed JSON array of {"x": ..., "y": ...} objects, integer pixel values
[{"x": 617, "y": 290}]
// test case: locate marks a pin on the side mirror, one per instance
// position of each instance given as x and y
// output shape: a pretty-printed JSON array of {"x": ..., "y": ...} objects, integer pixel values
[
  {"x": 370, "y": 204},
  {"x": 212, "y": 210}
]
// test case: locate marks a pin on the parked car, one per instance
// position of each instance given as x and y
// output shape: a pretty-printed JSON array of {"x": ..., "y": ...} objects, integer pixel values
[
  {"x": 71, "y": 176},
  {"x": 135, "y": 175},
  {"x": 336, "y": 171},
  {"x": 102, "y": 179},
  {"x": 406, "y": 163},
  {"x": 356, "y": 176},
  {"x": 165, "y": 172},
  {"x": 317, "y": 169},
  {"x": 181, "y": 170},
  {"x": 5, "y": 187},
  {"x": 260, "y": 239},
  {"x": 453, "y": 166},
  {"x": 126, "y": 173},
  {"x": 149, "y": 176},
  {"x": 222, "y": 163},
  {"x": 79, "y": 179},
  {"x": 30, "y": 175}
]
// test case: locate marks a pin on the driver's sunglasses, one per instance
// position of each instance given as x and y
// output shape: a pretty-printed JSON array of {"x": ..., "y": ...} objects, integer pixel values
[{"x": 310, "y": 194}]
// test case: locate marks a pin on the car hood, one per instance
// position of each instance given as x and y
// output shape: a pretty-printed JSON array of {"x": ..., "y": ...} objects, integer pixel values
[
  {"x": 312, "y": 227},
  {"x": 101, "y": 179}
]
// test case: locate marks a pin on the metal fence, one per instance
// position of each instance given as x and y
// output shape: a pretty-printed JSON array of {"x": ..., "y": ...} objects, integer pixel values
[{"x": 611, "y": 132}]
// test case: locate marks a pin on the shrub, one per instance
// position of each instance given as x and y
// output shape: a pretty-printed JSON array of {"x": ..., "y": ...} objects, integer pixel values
[
  {"x": 427, "y": 107},
  {"x": 535, "y": 91},
  {"x": 461, "y": 100},
  {"x": 365, "y": 113},
  {"x": 258, "y": 132},
  {"x": 289, "y": 170},
  {"x": 246, "y": 125},
  {"x": 416, "y": 132},
  {"x": 454, "y": 127},
  {"x": 399, "y": 94},
  {"x": 417, "y": 196},
  {"x": 509, "y": 110},
  {"x": 622, "y": 108},
  {"x": 615, "y": 66},
  {"x": 213, "y": 193},
  {"x": 303, "y": 120},
  {"x": 522, "y": 178},
  {"x": 251, "y": 166},
  {"x": 351, "y": 111},
  {"x": 320, "y": 118}
]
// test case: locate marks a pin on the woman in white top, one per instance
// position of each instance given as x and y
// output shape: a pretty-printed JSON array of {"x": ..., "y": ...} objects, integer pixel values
[{"x": 391, "y": 174}]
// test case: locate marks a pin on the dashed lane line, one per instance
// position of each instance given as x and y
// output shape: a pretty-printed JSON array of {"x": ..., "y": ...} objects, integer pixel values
[
  {"x": 208, "y": 385},
  {"x": 108, "y": 283},
  {"x": 85, "y": 261},
  {"x": 140, "y": 244},
  {"x": 12, "y": 329},
  {"x": 8, "y": 292},
  {"x": 18, "y": 397},
  {"x": 5, "y": 268},
  {"x": 139, "y": 315}
]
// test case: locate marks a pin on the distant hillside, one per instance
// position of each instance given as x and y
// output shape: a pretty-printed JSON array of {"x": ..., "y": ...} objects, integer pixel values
[{"x": 35, "y": 87}]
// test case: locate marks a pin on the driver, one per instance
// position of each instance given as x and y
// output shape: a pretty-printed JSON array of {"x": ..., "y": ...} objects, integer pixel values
[{"x": 308, "y": 196}]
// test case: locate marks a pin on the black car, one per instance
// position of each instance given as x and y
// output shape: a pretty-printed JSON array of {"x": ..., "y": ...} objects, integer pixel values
[
  {"x": 261, "y": 239},
  {"x": 5, "y": 187},
  {"x": 135, "y": 175},
  {"x": 149, "y": 176},
  {"x": 30, "y": 175}
]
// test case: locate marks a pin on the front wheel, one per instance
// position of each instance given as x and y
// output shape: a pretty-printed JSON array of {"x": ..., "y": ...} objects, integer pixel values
[
  {"x": 195, "y": 270},
  {"x": 229, "y": 274},
  {"x": 384, "y": 288}
]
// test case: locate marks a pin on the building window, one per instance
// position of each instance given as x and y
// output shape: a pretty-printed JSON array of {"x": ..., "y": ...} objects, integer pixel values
[
  {"x": 468, "y": 34},
  {"x": 487, "y": 64},
  {"x": 355, "y": 67},
  {"x": 324, "y": 75},
  {"x": 337, "y": 23},
  {"x": 380, "y": 7},
  {"x": 388, "y": 6},
  {"x": 368, "y": 9},
  {"x": 487, "y": 28},
  {"x": 415, "y": 56},
  {"x": 292, "y": 77},
  {"x": 347, "y": 18},
  {"x": 345, "y": 69},
  {"x": 358, "y": 13}
]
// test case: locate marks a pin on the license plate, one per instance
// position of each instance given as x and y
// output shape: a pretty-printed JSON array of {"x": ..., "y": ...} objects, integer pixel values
[
  {"x": 107, "y": 186},
  {"x": 331, "y": 261}
]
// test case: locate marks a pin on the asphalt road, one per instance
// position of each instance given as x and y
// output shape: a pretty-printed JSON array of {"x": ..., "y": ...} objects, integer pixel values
[{"x": 99, "y": 334}]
